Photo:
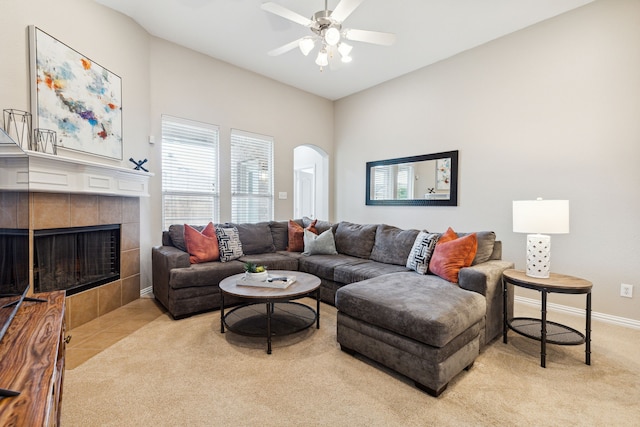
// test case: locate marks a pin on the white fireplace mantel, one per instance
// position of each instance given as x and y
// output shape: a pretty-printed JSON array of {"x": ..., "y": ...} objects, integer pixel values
[{"x": 50, "y": 173}]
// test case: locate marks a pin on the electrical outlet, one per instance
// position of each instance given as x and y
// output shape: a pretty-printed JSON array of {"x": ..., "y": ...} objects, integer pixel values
[{"x": 626, "y": 290}]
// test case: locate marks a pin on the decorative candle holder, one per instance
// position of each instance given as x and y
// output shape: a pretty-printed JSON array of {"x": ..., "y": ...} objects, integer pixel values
[
  {"x": 17, "y": 124},
  {"x": 46, "y": 141}
]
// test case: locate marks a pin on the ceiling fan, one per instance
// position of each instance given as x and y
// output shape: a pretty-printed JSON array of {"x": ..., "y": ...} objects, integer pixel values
[{"x": 326, "y": 26}]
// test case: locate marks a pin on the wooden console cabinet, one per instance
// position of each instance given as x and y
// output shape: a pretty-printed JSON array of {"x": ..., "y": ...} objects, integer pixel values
[{"x": 32, "y": 356}]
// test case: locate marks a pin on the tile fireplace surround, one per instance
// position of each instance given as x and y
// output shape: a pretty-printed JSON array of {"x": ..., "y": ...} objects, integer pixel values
[
  {"x": 74, "y": 193},
  {"x": 61, "y": 210}
]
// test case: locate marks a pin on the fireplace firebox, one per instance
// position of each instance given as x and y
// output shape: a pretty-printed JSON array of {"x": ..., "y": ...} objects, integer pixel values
[{"x": 75, "y": 259}]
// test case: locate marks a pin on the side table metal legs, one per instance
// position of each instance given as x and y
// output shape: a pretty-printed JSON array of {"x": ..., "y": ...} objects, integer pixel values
[
  {"x": 587, "y": 338},
  {"x": 543, "y": 331}
]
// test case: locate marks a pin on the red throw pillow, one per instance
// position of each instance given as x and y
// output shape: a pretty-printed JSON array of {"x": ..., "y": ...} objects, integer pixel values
[
  {"x": 296, "y": 235},
  {"x": 449, "y": 257},
  {"x": 202, "y": 247}
]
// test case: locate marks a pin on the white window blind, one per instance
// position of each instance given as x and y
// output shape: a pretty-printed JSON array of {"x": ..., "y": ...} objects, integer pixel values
[
  {"x": 251, "y": 177},
  {"x": 383, "y": 183},
  {"x": 393, "y": 182},
  {"x": 189, "y": 172}
]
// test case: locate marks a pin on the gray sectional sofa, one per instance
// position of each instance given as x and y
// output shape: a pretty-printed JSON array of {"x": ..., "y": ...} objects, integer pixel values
[{"x": 422, "y": 326}]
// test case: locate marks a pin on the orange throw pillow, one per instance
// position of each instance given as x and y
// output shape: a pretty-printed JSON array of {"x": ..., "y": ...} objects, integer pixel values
[
  {"x": 202, "y": 247},
  {"x": 448, "y": 236},
  {"x": 449, "y": 257},
  {"x": 296, "y": 235}
]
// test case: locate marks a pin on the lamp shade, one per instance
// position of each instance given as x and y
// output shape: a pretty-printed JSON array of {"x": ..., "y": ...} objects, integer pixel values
[
  {"x": 323, "y": 58},
  {"x": 541, "y": 216}
]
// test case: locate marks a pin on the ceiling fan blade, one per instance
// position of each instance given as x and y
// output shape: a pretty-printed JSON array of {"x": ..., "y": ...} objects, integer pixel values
[
  {"x": 286, "y": 13},
  {"x": 344, "y": 9},
  {"x": 285, "y": 48},
  {"x": 375, "y": 37}
]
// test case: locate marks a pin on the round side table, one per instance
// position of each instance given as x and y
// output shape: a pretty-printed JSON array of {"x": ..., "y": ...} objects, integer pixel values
[{"x": 541, "y": 329}]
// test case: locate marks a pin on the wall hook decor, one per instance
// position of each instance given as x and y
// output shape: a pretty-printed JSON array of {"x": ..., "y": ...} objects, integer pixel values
[{"x": 139, "y": 164}]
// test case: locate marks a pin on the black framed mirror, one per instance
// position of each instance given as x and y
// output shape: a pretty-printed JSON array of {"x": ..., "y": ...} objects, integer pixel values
[{"x": 426, "y": 180}]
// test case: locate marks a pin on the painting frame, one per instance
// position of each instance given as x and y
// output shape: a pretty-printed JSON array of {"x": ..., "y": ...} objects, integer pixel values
[
  {"x": 74, "y": 96},
  {"x": 443, "y": 174}
]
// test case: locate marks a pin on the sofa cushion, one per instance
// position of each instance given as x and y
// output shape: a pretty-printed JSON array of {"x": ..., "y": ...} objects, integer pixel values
[
  {"x": 256, "y": 238},
  {"x": 324, "y": 266},
  {"x": 355, "y": 239},
  {"x": 486, "y": 242},
  {"x": 422, "y": 251},
  {"x": 392, "y": 245},
  {"x": 449, "y": 257},
  {"x": 322, "y": 244},
  {"x": 427, "y": 309},
  {"x": 321, "y": 226},
  {"x": 229, "y": 243},
  {"x": 272, "y": 260},
  {"x": 202, "y": 246},
  {"x": 351, "y": 273},
  {"x": 279, "y": 234},
  {"x": 207, "y": 274}
]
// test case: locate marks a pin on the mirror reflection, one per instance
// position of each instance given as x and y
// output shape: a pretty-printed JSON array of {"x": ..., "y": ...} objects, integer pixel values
[{"x": 430, "y": 179}]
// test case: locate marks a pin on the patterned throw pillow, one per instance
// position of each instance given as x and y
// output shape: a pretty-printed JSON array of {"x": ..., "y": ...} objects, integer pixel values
[
  {"x": 229, "y": 243},
  {"x": 202, "y": 246},
  {"x": 421, "y": 251}
]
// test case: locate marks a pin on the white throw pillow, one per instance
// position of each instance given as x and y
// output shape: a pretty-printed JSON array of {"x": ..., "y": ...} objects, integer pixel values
[{"x": 323, "y": 244}]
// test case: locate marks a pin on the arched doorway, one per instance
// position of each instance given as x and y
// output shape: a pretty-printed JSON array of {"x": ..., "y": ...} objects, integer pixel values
[{"x": 310, "y": 182}]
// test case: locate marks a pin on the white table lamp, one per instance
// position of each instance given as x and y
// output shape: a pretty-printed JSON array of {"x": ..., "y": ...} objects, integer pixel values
[{"x": 536, "y": 217}]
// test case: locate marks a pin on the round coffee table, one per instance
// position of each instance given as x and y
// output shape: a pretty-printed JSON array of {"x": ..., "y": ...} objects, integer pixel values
[{"x": 279, "y": 316}]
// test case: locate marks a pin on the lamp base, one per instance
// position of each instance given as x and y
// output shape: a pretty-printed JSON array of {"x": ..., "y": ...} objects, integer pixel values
[{"x": 538, "y": 255}]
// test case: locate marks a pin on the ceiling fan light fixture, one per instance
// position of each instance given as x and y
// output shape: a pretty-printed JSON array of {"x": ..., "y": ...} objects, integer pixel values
[
  {"x": 323, "y": 58},
  {"x": 306, "y": 45},
  {"x": 332, "y": 36},
  {"x": 344, "y": 49}
]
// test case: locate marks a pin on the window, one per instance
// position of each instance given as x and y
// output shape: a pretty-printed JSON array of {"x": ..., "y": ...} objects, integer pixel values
[
  {"x": 393, "y": 182},
  {"x": 251, "y": 177},
  {"x": 189, "y": 172}
]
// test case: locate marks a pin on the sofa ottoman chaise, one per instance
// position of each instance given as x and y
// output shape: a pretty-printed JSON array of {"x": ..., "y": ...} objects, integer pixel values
[{"x": 423, "y": 327}]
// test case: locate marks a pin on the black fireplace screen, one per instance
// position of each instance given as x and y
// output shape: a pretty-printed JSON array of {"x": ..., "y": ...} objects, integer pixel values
[
  {"x": 76, "y": 259},
  {"x": 14, "y": 260}
]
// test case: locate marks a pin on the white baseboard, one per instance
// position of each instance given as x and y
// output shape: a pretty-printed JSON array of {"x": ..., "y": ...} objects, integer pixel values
[
  {"x": 607, "y": 318},
  {"x": 146, "y": 291}
]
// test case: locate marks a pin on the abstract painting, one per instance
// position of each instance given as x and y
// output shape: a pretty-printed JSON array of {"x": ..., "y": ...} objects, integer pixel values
[
  {"x": 75, "y": 97},
  {"x": 443, "y": 174}
]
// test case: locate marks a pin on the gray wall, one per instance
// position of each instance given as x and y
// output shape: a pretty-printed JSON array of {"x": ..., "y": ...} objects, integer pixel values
[{"x": 550, "y": 111}]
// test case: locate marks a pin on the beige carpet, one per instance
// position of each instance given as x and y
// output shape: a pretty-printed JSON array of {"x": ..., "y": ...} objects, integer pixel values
[{"x": 186, "y": 373}]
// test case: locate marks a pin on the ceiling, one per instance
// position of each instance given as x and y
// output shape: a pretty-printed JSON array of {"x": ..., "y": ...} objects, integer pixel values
[{"x": 241, "y": 33}]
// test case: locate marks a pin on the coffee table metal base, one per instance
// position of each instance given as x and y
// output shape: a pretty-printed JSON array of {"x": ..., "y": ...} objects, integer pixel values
[{"x": 270, "y": 319}]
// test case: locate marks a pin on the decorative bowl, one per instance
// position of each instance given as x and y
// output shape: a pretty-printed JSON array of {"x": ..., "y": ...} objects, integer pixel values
[{"x": 257, "y": 277}]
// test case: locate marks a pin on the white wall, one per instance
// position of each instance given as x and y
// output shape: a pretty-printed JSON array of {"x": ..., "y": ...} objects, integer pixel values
[
  {"x": 106, "y": 37},
  {"x": 187, "y": 84},
  {"x": 550, "y": 111}
]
